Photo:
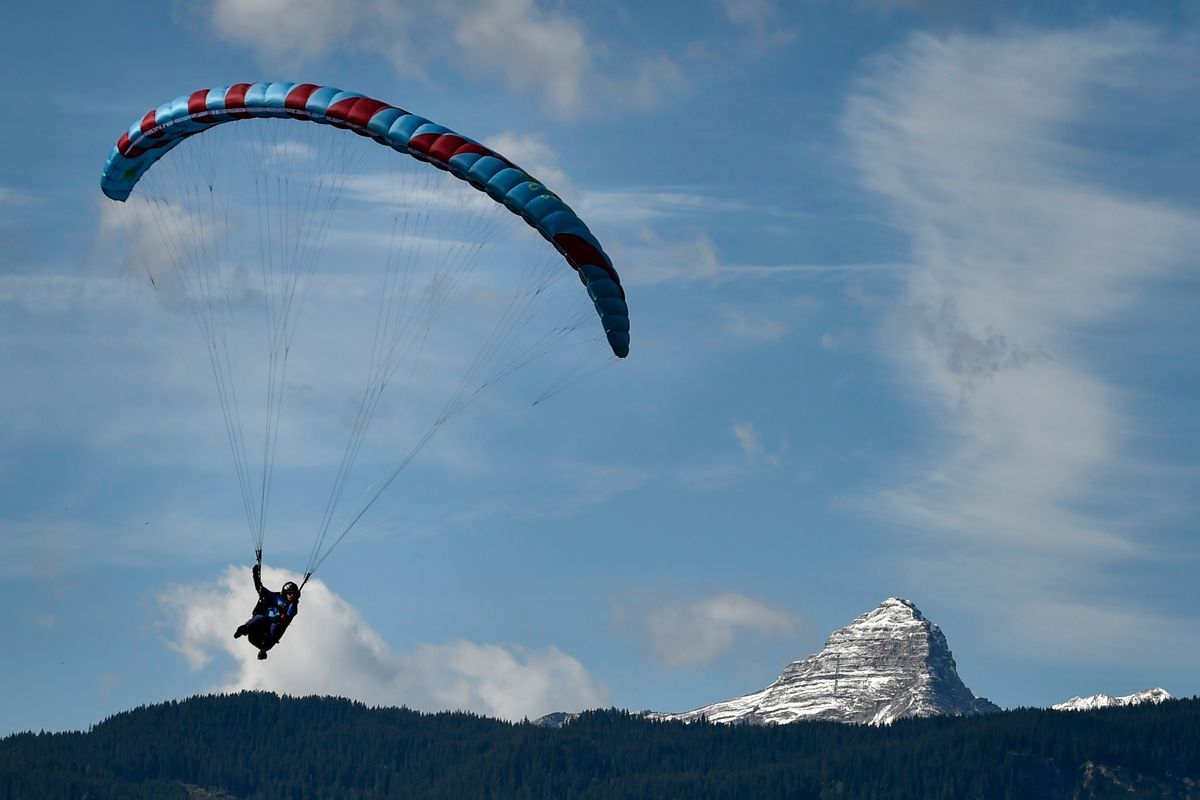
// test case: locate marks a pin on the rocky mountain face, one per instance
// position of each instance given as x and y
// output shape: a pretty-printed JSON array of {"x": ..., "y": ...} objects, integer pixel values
[
  {"x": 1155, "y": 695},
  {"x": 889, "y": 663}
]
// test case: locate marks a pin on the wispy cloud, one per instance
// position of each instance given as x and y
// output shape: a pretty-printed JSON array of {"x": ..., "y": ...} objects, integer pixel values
[
  {"x": 753, "y": 326},
  {"x": 731, "y": 465},
  {"x": 11, "y": 197},
  {"x": 536, "y": 157},
  {"x": 763, "y": 19},
  {"x": 752, "y": 446},
  {"x": 785, "y": 270},
  {"x": 55, "y": 547},
  {"x": 330, "y": 649},
  {"x": 291, "y": 29},
  {"x": 1039, "y": 606},
  {"x": 834, "y": 341},
  {"x": 1018, "y": 246},
  {"x": 755, "y": 13},
  {"x": 649, "y": 258},
  {"x": 664, "y": 233},
  {"x": 713, "y": 474},
  {"x": 581, "y": 485},
  {"x": 701, "y": 630},
  {"x": 522, "y": 44},
  {"x": 61, "y": 294},
  {"x": 645, "y": 205},
  {"x": 934, "y": 9},
  {"x": 529, "y": 46},
  {"x": 150, "y": 399}
]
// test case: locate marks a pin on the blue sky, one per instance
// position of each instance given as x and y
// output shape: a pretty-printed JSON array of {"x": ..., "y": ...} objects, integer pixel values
[{"x": 913, "y": 291}]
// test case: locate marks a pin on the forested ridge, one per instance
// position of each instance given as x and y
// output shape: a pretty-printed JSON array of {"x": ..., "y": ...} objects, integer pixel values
[{"x": 258, "y": 745}]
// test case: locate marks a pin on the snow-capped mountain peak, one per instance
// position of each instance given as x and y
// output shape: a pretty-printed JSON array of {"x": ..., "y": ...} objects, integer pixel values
[
  {"x": 1155, "y": 695},
  {"x": 890, "y": 662}
]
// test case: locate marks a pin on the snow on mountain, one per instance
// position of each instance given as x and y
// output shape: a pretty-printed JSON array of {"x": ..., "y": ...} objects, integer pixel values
[
  {"x": 888, "y": 663},
  {"x": 556, "y": 719},
  {"x": 1156, "y": 695}
]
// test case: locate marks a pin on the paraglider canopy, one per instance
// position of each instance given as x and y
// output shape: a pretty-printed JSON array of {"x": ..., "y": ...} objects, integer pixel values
[
  {"x": 161, "y": 128},
  {"x": 255, "y": 246}
]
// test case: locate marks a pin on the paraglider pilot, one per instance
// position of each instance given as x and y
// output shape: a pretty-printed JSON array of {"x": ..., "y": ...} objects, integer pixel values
[{"x": 272, "y": 614}]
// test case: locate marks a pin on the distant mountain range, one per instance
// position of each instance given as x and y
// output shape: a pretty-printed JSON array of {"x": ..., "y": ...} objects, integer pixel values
[
  {"x": 885, "y": 670},
  {"x": 1090, "y": 702},
  {"x": 888, "y": 664}
]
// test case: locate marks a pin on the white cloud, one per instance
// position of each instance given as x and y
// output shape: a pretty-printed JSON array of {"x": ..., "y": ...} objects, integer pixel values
[
  {"x": 936, "y": 9},
  {"x": 63, "y": 294},
  {"x": 534, "y": 156},
  {"x": 757, "y": 327},
  {"x": 761, "y": 18},
  {"x": 1101, "y": 633},
  {"x": 400, "y": 189},
  {"x": 700, "y": 631},
  {"x": 752, "y": 446},
  {"x": 55, "y": 547},
  {"x": 581, "y": 485},
  {"x": 728, "y": 468},
  {"x": 528, "y": 46},
  {"x": 134, "y": 389},
  {"x": 652, "y": 258},
  {"x": 11, "y": 197},
  {"x": 635, "y": 207},
  {"x": 710, "y": 475},
  {"x": 289, "y": 29},
  {"x": 831, "y": 341},
  {"x": 814, "y": 269},
  {"x": 329, "y": 649},
  {"x": 651, "y": 81},
  {"x": 523, "y": 44},
  {"x": 461, "y": 309},
  {"x": 1040, "y": 609},
  {"x": 1017, "y": 247},
  {"x": 289, "y": 152},
  {"x": 755, "y": 13},
  {"x": 657, "y": 234}
]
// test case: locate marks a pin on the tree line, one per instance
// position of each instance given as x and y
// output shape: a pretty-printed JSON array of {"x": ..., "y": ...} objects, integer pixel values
[{"x": 257, "y": 745}]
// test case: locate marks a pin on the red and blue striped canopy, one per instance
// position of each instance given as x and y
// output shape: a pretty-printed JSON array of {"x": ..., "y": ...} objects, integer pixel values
[{"x": 161, "y": 128}]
